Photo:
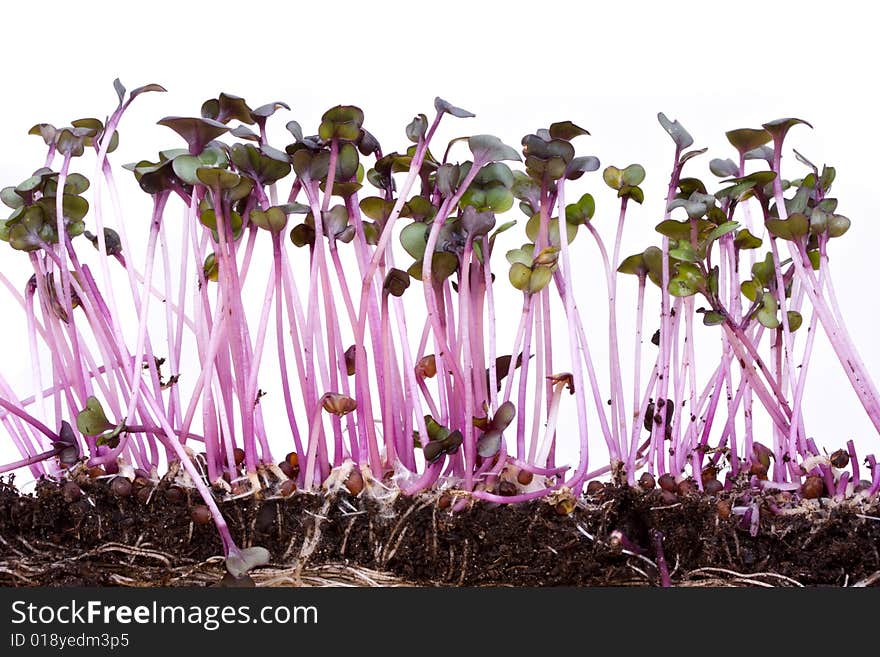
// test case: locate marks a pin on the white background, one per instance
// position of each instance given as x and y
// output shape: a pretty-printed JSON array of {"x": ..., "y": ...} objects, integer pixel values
[{"x": 609, "y": 67}]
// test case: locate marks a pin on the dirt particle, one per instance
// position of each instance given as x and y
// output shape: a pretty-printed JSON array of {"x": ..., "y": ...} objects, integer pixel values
[
  {"x": 667, "y": 483},
  {"x": 121, "y": 487}
]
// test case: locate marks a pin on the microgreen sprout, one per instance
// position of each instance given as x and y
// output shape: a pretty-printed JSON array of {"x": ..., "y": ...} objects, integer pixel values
[{"x": 384, "y": 286}]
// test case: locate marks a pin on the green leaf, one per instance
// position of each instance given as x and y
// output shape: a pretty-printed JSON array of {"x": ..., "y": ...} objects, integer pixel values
[
  {"x": 239, "y": 191},
  {"x": 679, "y": 135},
  {"x": 273, "y": 219},
  {"x": 796, "y": 226},
  {"x": 264, "y": 164},
  {"x": 524, "y": 255},
  {"x": 613, "y": 177},
  {"x": 520, "y": 275},
  {"x": 443, "y": 265},
  {"x": 26, "y": 233},
  {"x": 751, "y": 290},
  {"x": 534, "y": 224},
  {"x": 498, "y": 199},
  {"x": 488, "y": 148},
  {"x": 633, "y": 193},
  {"x": 634, "y": 264},
  {"x": 687, "y": 281},
  {"x": 377, "y": 209},
  {"x": 92, "y": 421},
  {"x": 745, "y": 240},
  {"x": 723, "y": 229},
  {"x": 210, "y": 269},
  {"x": 73, "y": 207},
  {"x": 227, "y": 107},
  {"x": 766, "y": 315},
  {"x": 185, "y": 167},
  {"x": 684, "y": 251},
  {"x": 10, "y": 198},
  {"x": 687, "y": 186},
  {"x": 209, "y": 220},
  {"x": 220, "y": 178},
  {"x": 342, "y": 122},
  {"x": 633, "y": 175},
  {"x": 582, "y": 211},
  {"x": 501, "y": 229},
  {"x": 75, "y": 184},
  {"x": 712, "y": 318},
  {"x": 795, "y": 319},
  {"x": 763, "y": 269},
  {"x": 747, "y": 139},
  {"x": 347, "y": 162},
  {"x": 653, "y": 258},
  {"x": 540, "y": 278},
  {"x": 414, "y": 238},
  {"x": 827, "y": 178},
  {"x": 838, "y": 225},
  {"x": 681, "y": 230},
  {"x": 743, "y": 188},
  {"x": 302, "y": 235},
  {"x": 712, "y": 281},
  {"x": 493, "y": 174},
  {"x": 566, "y": 130},
  {"x": 419, "y": 208}
]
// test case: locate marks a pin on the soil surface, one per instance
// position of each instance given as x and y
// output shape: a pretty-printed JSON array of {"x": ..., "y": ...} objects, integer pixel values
[{"x": 616, "y": 536}]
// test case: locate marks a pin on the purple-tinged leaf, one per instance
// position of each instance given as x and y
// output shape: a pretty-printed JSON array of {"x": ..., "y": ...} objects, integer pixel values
[
  {"x": 690, "y": 155},
  {"x": 488, "y": 148},
  {"x": 265, "y": 111},
  {"x": 726, "y": 168},
  {"x": 120, "y": 90},
  {"x": 780, "y": 127},
  {"x": 415, "y": 131},
  {"x": 581, "y": 165},
  {"x": 197, "y": 132},
  {"x": 503, "y": 416},
  {"x": 146, "y": 88},
  {"x": 445, "y": 106},
  {"x": 680, "y": 136}
]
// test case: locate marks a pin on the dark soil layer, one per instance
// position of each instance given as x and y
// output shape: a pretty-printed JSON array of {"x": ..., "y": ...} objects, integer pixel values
[{"x": 149, "y": 539}]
